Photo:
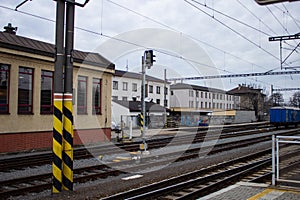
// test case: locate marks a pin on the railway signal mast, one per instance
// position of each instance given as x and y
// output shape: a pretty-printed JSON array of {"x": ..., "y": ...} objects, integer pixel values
[{"x": 147, "y": 61}]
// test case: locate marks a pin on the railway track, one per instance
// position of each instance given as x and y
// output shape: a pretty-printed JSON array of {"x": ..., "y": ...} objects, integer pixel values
[
  {"x": 198, "y": 183},
  {"x": 255, "y": 168},
  {"x": 42, "y": 158},
  {"x": 43, "y": 181}
]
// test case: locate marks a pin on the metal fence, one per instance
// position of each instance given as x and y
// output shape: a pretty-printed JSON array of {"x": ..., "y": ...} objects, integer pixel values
[{"x": 285, "y": 171}]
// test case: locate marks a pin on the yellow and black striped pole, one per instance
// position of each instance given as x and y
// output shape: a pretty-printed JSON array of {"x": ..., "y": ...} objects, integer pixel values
[
  {"x": 68, "y": 102},
  {"x": 68, "y": 143},
  {"x": 58, "y": 99},
  {"x": 142, "y": 123},
  {"x": 141, "y": 118},
  {"x": 57, "y": 143}
]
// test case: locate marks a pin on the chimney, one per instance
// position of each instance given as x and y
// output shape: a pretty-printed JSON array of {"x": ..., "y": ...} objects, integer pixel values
[{"x": 10, "y": 29}]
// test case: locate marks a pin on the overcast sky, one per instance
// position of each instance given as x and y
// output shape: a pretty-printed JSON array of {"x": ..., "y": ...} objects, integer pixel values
[{"x": 190, "y": 38}]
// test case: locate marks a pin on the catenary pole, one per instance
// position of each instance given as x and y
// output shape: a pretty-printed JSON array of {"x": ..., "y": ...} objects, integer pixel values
[
  {"x": 58, "y": 98},
  {"x": 68, "y": 132}
]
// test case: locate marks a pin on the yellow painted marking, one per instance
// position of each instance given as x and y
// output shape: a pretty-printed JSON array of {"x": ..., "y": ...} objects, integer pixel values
[
  {"x": 267, "y": 191},
  {"x": 259, "y": 195},
  {"x": 123, "y": 158},
  {"x": 116, "y": 160},
  {"x": 134, "y": 153}
]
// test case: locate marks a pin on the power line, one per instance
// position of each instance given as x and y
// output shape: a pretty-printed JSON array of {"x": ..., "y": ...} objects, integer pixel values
[
  {"x": 241, "y": 35},
  {"x": 257, "y": 17},
  {"x": 107, "y": 36},
  {"x": 232, "y": 18}
]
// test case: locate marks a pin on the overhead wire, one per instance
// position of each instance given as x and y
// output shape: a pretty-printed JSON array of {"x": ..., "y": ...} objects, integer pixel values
[
  {"x": 192, "y": 37},
  {"x": 230, "y": 28},
  {"x": 101, "y": 34},
  {"x": 254, "y": 15}
]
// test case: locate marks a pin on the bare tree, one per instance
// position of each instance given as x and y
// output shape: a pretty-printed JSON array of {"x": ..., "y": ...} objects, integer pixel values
[
  {"x": 295, "y": 100},
  {"x": 277, "y": 99}
]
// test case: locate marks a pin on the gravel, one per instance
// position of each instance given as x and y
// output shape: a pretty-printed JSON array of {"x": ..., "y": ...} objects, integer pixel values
[{"x": 104, "y": 187}]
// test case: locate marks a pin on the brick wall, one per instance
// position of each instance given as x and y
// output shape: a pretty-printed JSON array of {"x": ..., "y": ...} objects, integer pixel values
[{"x": 18, "y": 142}]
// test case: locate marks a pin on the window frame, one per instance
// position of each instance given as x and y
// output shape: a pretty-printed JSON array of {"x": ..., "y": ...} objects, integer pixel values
[
  {"x": 115, "y": 85},
  {"x": 82, "y": 109},
  {"x": 52, "y": 93},
  {"x": 157, "y": 89},
  {"x": 125, "y": 86},
  {"x": 134, "y": 87},
  {"x": 6, "y": 105},
  {"x": 151, "y": 89},
  {"x": 29, "y": 106},
  {"x": 97, "y": 110}
]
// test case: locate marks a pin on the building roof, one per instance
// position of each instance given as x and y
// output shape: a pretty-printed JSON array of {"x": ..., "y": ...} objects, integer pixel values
[
  {"x": 20, "y": 43},
  {"x": 179, "y": 86},
  {"x": 134, "y": 75},
  {"x": 242, "y": 89},
  {"x": 135, "y": 106}
]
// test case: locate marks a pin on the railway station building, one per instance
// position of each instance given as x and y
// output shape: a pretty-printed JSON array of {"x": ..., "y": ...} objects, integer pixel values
[
  {"x": 191, "y": 103},
  {"x": 26, "y": 94}
]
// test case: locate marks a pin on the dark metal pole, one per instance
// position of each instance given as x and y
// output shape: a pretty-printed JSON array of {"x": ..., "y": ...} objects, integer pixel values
[
  {"x": 57, "y": 147},
  {"x": 68, "y": 132},
  {"x": 59, "y": 47}
]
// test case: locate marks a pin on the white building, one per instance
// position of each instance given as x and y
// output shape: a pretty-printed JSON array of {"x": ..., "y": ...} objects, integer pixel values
[
  {"x": 186, "y": 97},
  {"x": 127, "y": 87}
]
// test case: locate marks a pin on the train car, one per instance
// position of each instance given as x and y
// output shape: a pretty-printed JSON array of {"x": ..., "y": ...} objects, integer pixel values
[{"x": 284, "y": 116}]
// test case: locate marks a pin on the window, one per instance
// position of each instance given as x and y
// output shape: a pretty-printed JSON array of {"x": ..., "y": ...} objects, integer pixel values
[
  {"x": 25, "y": 90},
  {"x": 158, "y": 101},
  {"x": 4, "y": 88},
  {"x": 150, "y": 88},
  {"x": 197, "y": 103},
  {"x": 205, "y": 95},
  {"x": 191, "y": 104},
  {"x": 201, "y": 94},
  {"x": 134, "y": 87},
  {"x": 115, "y": 85},
  {"x": 97, "y": 88},
  {"x": 146, "y": 90},
  {"x": 166, "y": 91},
  {"x": 46, "y": 92},
  {"x": 157, "y": 90},
  {"x": 166, "y": 103},
  {"x": 125, "y": 86},
  {"x": 197, "y": 93},
  {"x": 191, "y": 93},
  {"x": 114, "y": 98},
  {"x": 82, "y": 95},
  {"x": 124, "y": 98}
]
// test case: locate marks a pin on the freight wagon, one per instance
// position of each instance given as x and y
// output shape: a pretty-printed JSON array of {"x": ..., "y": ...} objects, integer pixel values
[{"x": 284, "y": 116}]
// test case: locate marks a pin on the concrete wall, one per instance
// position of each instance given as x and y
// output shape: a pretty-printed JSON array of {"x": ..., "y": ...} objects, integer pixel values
[{"x": 244, "y": 116}]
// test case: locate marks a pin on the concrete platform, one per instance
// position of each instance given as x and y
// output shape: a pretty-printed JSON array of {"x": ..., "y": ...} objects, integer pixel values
[{"x": 253, "y": 191}]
